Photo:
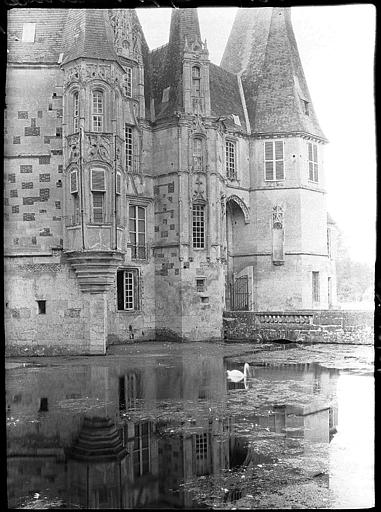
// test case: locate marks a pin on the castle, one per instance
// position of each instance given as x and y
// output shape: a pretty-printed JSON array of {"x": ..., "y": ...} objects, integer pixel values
[{"x": 147, "y": 192}]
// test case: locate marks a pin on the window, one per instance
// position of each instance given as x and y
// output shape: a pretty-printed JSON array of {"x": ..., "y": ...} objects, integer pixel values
[
  {"x": 76, "y": 112},
  {"x": 118, "y": 198},
  {"x": 315, "y": 287},
  {"x": 129, "y": 145},
  {"x": 198, "y": 218},
  {"x": 201, "y": 442},
  {"x": 141, "y": 450},
  {"x": 137, "y": 219},
  {"x": 196, "y": 81},
  {"x": 74, "y": 182},
  {"x": 313, "y": 162},
  {"x": 41, "y": 307},
  {"x": 128, "y": 86},
  {"x": 76, "y": 212},
  {"x": 98, "y": 208},
  {"x": 274, "y": 163},
  {"x": 28, "y": 32},
  {"x": 329, "y": 243},
  {"x": 127, "y": 289},
  {"x": 43, "y": 405},
  {"x": 97, "y": 111},
  {"x": 306, "y": 108},
  {"x": 230, "y": 160},
  {"x": 200, "y": 284},
  {"x": 98, "y": 187},
  {"x": 197, "y": 153}
]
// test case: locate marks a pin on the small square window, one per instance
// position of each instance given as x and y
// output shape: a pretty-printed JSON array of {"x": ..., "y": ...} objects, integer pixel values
[
  {"x": 43, "y": 405},
  {"x": 200, "y": 284},
  {"x": 41, "y": 307}
]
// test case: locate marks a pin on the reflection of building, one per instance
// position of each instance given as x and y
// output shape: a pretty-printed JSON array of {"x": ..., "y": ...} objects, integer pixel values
[
  {"x": 121, "y": 455},
  {"x": 200, "y": 448}
]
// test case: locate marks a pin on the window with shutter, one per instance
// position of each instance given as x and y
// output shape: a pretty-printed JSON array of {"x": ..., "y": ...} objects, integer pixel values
[
  {"x": 274, "y": 161},
  {"x": 74, "y": 182},
  {"x": 315, "y": 287},
  {"x": 98, "y": 180},
  {"x": 313, "y": 171}
]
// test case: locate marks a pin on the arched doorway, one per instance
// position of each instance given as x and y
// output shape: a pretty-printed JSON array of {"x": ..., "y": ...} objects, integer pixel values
[{"x": 236, "y": 288}]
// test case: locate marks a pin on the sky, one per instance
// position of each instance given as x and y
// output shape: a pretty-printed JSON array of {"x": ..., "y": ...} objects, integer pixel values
[{"x": 336, "y": 46}]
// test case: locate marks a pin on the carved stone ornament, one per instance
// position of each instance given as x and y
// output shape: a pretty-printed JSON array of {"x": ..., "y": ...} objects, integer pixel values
[
  {"x": 223, "y": 205},
  {"x": 73, "y": 146},
  {"x": 86, "y": 72},
  {"x": 277, "y": 217},
  {"x": 198, "y": 124},
  {"x": 98, "y": 147},
  {"x": 73, "y": 75},
  {"x": 127, "y": 39}
]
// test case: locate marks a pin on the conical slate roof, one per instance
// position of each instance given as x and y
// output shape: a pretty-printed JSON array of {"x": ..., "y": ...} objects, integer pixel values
[{"x": 263, "y": 48}]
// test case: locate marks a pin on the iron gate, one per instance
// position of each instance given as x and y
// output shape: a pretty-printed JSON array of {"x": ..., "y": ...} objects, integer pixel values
[{"x": 239, "y": 294}]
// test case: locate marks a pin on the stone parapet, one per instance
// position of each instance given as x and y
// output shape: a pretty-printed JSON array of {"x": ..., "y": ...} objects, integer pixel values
[{"x": 319, "y": 326}]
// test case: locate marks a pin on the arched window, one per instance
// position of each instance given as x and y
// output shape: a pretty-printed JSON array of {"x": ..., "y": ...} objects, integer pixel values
[
  {"x": 196, "y": 81},
  {"x": 97, "y": 111},
  {"x": 76, "y": 112}
]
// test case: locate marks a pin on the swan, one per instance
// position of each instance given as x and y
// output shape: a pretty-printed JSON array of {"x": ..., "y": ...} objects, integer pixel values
[{"x": 236, "y": 375}]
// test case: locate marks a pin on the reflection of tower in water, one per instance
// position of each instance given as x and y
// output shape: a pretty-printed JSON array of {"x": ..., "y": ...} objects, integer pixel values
[{"x": 96, "y": 466}]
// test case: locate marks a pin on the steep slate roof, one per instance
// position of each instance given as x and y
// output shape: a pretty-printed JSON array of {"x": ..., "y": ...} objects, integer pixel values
[
  {"x": 88, "y": 34},
  {"x": 225, "y": 98},
  {"x": 165, "y": 70},
  {"x": 48, "y": 36},
  {"x": 262, "y": 45}
]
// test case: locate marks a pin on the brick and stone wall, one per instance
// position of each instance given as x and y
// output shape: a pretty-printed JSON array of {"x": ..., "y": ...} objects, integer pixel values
[{"x": 324, "y": 326}]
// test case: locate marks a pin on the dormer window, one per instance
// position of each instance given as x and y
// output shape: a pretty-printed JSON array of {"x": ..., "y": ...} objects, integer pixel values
[
  {"x": 76, "y": 112},
  {"x": 306, "y": 107},
  {"x": 97, "y": 111},
  {"x": 196, "y": 81},
  {"x": 28, "y": 32}
]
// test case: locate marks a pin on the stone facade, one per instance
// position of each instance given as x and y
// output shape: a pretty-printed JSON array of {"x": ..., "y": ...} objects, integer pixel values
[{"x": 142, "y": 189}]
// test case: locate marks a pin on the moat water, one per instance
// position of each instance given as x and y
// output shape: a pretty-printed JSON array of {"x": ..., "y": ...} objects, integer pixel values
[{"x": 166, "y": 426}]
